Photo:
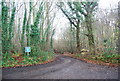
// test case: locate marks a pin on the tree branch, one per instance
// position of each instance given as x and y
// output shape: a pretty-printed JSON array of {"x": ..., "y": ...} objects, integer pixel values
[{"x": 67, "y": 16}]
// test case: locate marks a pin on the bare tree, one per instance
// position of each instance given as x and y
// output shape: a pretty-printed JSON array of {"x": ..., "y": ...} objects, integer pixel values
[
  {"x": 77, "y": 11},
  {"x": 74, "y": 18}
]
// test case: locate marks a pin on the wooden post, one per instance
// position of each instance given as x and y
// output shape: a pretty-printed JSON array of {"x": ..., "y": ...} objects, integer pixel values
[{"x": 27, "y": 53}]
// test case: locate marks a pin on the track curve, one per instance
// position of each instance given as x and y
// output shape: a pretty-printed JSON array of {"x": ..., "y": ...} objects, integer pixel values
[{"x": 63, "y": 68}]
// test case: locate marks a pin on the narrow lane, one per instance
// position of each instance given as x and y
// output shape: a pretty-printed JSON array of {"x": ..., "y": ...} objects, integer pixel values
[{"x": 63, "y": 68}]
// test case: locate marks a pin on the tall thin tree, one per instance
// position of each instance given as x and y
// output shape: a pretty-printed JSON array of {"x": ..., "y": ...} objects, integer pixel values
[
  {"x": 23, "y": 29},
  {"x": 119, "y": 27}
]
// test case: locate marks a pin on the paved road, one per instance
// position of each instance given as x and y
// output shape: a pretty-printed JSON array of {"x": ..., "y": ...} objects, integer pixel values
[{"x": 63, "y": 68}]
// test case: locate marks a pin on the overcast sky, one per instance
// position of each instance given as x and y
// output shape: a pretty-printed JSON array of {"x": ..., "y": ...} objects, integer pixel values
[{"x": 106, "y": 3}]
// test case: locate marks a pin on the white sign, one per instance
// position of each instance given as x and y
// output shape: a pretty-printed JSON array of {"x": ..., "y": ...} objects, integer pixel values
[{"x": 27, "y": 49}]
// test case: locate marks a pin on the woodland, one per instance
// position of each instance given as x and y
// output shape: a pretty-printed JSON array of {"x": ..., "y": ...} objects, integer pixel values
[{"x": 92, "y": 33}]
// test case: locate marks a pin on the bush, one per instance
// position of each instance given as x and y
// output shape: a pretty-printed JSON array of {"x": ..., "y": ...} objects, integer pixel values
[{"x": 7, "y": 60}]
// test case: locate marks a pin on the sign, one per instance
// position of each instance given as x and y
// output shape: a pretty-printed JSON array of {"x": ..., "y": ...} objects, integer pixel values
[{"x": 27, "y": 49}]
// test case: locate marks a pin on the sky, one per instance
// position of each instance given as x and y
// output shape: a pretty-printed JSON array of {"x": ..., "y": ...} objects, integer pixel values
[{"x": 107, "y": 3}]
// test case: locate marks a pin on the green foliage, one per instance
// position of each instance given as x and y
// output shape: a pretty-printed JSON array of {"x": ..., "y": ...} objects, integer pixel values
[
  {"x": 109, "y": 51},
  {"x": 5, "y": 41},
  {"x": 9, "y": 61},
  {"x": 36, "y": 51},
  {"x": 7, "y": 56},
  {"x": 30, "y": 60},
  {"x": 108, "y": 56},
  {"x": 78, "y": 55},
  {"x": 35, "y": 33},
  {"x": 7, "y": 27},
  {"x": 47, "y": 55}
]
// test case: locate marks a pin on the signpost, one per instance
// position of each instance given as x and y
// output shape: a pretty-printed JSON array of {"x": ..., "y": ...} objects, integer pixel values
[{"x": 27, "y": 50}]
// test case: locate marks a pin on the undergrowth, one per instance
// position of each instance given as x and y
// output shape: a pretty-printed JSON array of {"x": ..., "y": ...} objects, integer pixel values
[
  {"x": 108, "y": 56},
  {"x": 11, "y": 60}
]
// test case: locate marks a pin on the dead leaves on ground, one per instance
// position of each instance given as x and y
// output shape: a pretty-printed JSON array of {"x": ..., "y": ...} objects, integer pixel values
[{"x": 92, "y": 61}]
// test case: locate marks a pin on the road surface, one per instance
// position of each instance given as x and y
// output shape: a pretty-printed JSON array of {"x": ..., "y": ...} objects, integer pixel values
[{"x": 63, "y": 68}]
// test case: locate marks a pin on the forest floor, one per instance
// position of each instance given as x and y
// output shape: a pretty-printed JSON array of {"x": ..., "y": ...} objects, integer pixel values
[{"x": 63, "y": 68}]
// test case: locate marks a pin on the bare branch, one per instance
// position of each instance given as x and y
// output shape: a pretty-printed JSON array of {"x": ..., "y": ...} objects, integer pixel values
[{"x": 67, "y": 16}]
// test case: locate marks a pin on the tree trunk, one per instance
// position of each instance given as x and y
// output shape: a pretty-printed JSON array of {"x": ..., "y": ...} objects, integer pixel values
[
  {"x": 119, "y": 27},
  {"x": 28, "y": 25},
  {"x": 11, "y": 24},
  {"x": 51, "y": 42},
  {"x": 90, "y": 34},
  {"x": 77, "y": 36},
  {"x": 1, "y": 31},
  {"x": 47, "y": 25},
  {"x": 4, "y": 19},
  {"x": 23, "y": 31}
]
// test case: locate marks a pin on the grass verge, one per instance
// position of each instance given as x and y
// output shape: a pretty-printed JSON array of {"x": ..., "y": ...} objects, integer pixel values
[
  {"x": 16, "y": 60},
  {"x": 97, "y": 59}
]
